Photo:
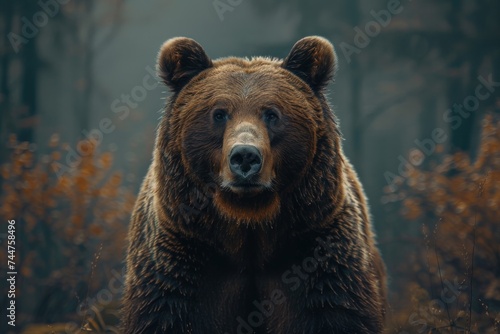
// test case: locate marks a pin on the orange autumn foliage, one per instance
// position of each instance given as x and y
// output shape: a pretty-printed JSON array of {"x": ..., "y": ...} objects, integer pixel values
[
  {"x": 70, "y": 227},
  {"x": 457, "y": 204}
]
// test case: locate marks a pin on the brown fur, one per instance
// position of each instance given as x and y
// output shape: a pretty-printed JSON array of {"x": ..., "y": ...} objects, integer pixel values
[{"x": 202, "y": 249}]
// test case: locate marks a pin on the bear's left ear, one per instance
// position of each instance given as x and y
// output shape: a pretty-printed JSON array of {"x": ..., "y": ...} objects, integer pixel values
[
  {"x": 313, "y": 60},
  {"x": 180, "y": 59}
]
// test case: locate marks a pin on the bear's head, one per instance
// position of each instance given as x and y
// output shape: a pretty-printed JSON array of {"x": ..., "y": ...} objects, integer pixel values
[{"x": 247, "y": 128}]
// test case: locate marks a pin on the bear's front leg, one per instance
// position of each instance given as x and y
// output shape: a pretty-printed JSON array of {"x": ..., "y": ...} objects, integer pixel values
[
  {"x": 330, "y": 313},
  {"x": 344, "y": 299},
  {"x": 327, "y": 298},
  {"x": 337, "y": 320},
  {"x": 156, "y": 301}
]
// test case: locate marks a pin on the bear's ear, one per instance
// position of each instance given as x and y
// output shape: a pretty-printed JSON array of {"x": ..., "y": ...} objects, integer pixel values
[
  {"x": 179, "y": 60},
  {"x": 313, "y": 60}
]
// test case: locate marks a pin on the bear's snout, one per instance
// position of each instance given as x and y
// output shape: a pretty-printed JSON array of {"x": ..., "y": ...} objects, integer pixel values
[
  {"x": 247, "y": 166},
  {"x": 245, "y": 161}
]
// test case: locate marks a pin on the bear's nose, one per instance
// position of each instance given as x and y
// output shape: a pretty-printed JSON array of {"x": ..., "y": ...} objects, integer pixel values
[{"x": 245, "y": 161}]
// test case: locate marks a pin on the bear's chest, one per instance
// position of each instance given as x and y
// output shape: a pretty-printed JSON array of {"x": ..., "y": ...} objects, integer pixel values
[
  {"x": 251, "y": 289},
  {"x": 239, "y": 300}
]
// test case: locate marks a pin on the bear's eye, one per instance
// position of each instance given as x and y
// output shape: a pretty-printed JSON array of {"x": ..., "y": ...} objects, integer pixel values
[
  {"x": 270, "y": 116},
  {"x": 220, "y": 116}
]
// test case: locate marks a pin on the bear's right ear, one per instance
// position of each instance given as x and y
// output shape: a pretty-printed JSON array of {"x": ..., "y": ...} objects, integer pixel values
[{"x": 180, "y": 59}]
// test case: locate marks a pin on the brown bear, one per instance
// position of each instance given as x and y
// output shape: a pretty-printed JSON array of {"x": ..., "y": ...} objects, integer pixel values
[{"x": 251, "y": 219}]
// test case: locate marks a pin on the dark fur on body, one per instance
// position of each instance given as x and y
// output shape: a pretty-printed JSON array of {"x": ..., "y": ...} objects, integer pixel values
[{"x": 199, "y": 255}]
